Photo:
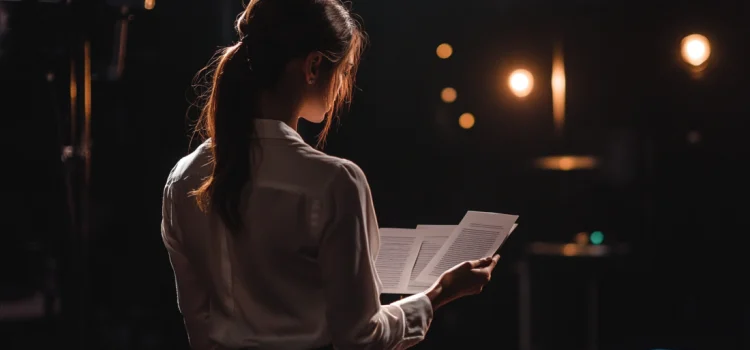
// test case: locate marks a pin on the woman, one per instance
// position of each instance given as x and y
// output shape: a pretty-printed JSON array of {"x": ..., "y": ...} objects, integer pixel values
[{"x": 271, "y": 241}]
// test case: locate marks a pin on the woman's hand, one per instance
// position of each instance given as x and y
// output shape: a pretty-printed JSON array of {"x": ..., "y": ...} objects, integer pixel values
[{"x": 466, "y": 278}]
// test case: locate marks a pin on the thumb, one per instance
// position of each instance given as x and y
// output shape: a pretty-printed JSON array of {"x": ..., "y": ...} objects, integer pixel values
[
  {"x": 481, "y": 263},
  {"x": 492, "y": 263},
  {"x": 495, "y": 259}
]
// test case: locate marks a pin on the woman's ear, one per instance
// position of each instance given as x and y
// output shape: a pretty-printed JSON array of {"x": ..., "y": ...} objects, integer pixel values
[{"x": 312, "y": 67}]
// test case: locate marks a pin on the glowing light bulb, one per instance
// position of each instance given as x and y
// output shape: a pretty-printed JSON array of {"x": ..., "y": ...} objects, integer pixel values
[
  {"x": 695, "y": 49},
  {"x": 521, "y": 82}
]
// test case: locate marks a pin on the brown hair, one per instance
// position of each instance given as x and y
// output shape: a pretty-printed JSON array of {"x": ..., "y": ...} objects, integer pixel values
[{"x": 272, "y": 33}]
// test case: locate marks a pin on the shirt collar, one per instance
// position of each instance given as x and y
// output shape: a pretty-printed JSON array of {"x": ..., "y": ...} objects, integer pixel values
[{"x": 275, "y": 129}]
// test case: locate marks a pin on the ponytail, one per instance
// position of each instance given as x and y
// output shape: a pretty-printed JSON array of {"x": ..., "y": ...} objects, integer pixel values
[
  {"x": 227, "y": 119},
  {"x": 272, "y": 34}
]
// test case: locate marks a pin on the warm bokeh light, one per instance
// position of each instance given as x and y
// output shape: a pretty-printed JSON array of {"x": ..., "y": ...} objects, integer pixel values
[
  {"x": 570, "y": 249},
  {"x": 444, "y": 51},
  {"x": 567, "y": 162},
  {"x": 466, "y": 120},
  {"x": 149, "y": 4},
  {"x": 695, "y": 49},
  {"x": 582, "y": 238},
  {"x": 521, "y": 82},
  {"x": 448, "y": 95},
  {"x": 558, "y": 90}
]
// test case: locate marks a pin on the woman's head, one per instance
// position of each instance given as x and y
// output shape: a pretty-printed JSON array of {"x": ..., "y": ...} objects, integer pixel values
[
  {"x": 305, "y": 48},
  {"x": 302, "y": 53}
]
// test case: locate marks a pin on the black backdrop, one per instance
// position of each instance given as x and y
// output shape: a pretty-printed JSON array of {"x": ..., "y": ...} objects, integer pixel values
[{"x": 678, "y": 204}]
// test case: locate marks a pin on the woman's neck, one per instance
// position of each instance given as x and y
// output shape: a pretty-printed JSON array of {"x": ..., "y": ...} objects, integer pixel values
[{"x": 279, "y": 107}]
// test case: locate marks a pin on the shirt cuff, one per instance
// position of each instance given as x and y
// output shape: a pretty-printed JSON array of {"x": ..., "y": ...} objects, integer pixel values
[{"x": 418, "y": 315}]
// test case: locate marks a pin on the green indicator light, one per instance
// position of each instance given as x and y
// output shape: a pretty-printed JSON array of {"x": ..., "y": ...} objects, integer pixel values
[{"x": 597, "y": 237}]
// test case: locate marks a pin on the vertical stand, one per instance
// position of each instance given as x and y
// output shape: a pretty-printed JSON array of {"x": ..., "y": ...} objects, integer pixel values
[
  {"x": 524, "y": 296},
  {"x": 592, "y": 286},
  {"x": 593, "y": 314},
  {"x": 76, "y": 157}
]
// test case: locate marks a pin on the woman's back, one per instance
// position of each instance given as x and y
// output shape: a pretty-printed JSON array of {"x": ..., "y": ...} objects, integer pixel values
[
  {"x": 263, "y": 283},
  {"x": 273, "y": 243}
]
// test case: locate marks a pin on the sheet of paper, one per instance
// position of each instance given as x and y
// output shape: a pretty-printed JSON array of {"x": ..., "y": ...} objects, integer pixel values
[
  {"x": 478, "y": 235},
  {"x": 448, "y": 228},
  {"x": 398, "y": 253},
  {"x": 433, "y": 238}
]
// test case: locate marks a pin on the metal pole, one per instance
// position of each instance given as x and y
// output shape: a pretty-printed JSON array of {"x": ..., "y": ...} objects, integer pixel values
[
  {"x": 71, "y": 288},
  {"x": 76, "y": 155},
  {"x": 524, "y": 312},
  {"x": 593, "y": 314},
  {"x": 85, "y": 227}
]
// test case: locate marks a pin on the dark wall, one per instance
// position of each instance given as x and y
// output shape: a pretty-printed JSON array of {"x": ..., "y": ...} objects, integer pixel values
[{"x": 678, "y": 204}]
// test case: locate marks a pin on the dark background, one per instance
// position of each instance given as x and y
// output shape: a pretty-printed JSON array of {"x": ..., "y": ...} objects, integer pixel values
[{"x": 678, "y": 205}]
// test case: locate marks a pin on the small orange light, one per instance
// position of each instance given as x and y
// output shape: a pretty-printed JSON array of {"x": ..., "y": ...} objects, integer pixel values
[
  {"x": 444, "y": 51},
  {"x": 448, "y": 95},
  {"x": 466, "y": 120}
]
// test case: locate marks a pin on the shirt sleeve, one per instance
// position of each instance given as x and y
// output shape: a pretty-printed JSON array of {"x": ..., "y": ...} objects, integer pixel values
[
  {"x": 356, "y": 318},
  {"x": 192, "y": 297}
]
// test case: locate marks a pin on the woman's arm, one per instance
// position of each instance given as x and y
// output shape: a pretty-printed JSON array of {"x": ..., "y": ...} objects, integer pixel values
[
  {"x": 355, "y": 317},
  {"x": 192, "y": 297}
]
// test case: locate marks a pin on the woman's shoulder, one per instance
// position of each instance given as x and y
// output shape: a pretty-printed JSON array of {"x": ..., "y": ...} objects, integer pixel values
[
  {"x": 336, "y": 169},
  {"x": 196, "y": 165},
  {"x": 351, "y": 170},
  {"x": 348, "y": 175}
]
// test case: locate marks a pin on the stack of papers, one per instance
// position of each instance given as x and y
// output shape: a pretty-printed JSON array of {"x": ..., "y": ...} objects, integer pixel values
[{"x": 411, "y": 260}]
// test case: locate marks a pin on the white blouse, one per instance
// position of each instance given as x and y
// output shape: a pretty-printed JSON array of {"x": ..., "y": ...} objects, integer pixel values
[{"x": 301, "y": 274}]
